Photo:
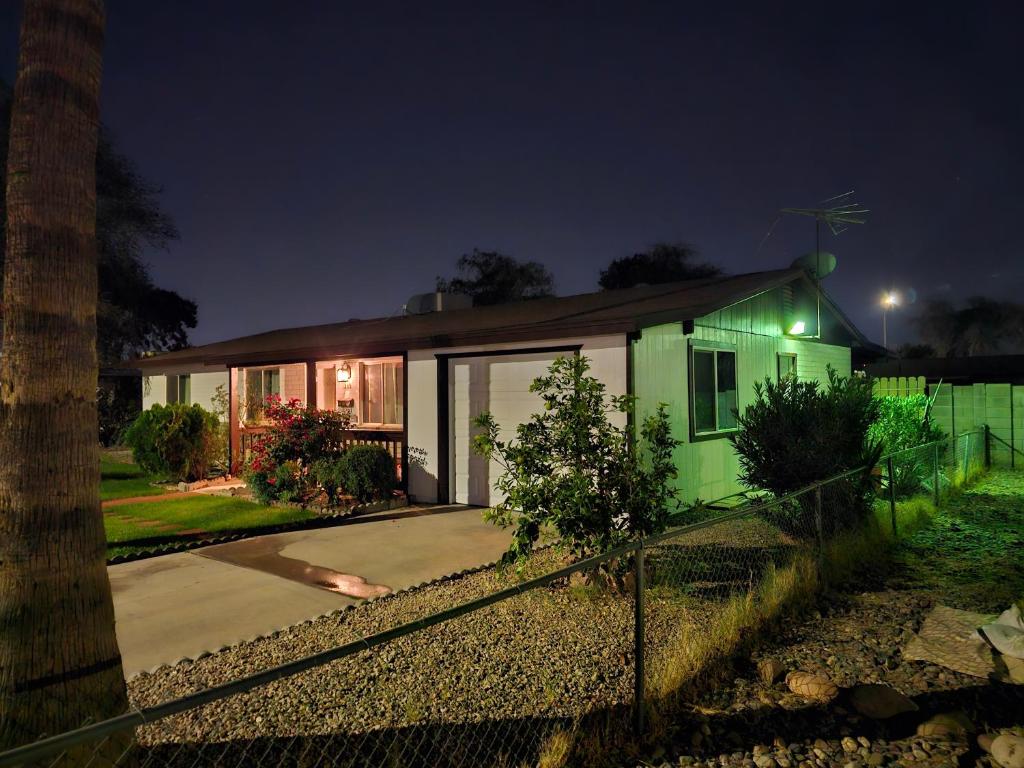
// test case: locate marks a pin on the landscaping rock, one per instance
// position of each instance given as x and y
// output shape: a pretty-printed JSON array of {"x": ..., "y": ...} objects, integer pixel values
[
  {"x": 813, "y": 687},
  {"x": 1008, "y": 750},
  {"x": 946, "y": 726},
  {"x": 770, "y": 670},
  {"x": 880, "y": 702}
]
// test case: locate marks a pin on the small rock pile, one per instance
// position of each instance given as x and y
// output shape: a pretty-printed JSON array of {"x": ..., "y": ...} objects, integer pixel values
[{"x": 835, "y": 691}]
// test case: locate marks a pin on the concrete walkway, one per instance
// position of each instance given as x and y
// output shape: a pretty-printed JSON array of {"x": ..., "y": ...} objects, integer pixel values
[{"x": 182, "y": 605}]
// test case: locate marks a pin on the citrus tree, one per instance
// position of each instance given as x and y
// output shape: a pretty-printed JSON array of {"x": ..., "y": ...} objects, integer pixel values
[{"x": 572, "y": 472}]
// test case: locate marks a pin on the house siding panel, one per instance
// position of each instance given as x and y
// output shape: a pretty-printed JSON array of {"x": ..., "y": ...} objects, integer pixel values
[
  {"x": 154, "y": 391},
  {"x": 293, "y": 382},
  {"x": 203, "y": 388},
  {"x": 709, "y": 469}
]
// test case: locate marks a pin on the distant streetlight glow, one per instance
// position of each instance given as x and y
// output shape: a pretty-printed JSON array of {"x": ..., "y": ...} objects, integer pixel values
[{"x": 890, "y": 300}]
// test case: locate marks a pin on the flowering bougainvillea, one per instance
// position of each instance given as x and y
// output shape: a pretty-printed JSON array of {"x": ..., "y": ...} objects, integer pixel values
[{"x": 279, "y": 464}]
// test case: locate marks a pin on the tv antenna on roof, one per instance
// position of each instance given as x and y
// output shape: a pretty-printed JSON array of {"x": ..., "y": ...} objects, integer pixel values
[{"x": 838, "y": 213}]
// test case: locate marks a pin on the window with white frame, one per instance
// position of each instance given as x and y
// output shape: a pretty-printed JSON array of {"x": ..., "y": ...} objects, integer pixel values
[
  {"x": 380, "y": 393},
  {"x": 713, "y": 399},
  {"x": 255, "y": 385},
  {"x": 787, "y": 365},
  {"x": 179, "y": 388}
]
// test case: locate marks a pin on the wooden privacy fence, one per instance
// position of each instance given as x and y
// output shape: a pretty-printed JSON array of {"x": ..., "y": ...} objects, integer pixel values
[{"x": 962, "y": 407}]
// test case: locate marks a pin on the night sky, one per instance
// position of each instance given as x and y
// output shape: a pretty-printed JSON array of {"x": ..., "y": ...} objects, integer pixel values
[{"x": 325, "y": 160}]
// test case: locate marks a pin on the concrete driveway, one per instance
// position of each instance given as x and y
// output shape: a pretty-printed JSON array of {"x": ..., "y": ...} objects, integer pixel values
[{"x": 181, "y": 605}]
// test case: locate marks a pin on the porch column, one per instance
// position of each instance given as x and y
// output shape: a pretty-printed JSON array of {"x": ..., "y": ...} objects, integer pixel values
[
  {"x": 233, "y": 433},
  {"x": 311, "y": 384}
]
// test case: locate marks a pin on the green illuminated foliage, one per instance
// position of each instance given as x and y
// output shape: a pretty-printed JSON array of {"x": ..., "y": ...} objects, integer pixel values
[{"x": 571, "y": 471}]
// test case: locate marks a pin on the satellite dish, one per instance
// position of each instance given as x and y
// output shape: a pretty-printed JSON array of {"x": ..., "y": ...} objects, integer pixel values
[{"x": 817, "y": 265}]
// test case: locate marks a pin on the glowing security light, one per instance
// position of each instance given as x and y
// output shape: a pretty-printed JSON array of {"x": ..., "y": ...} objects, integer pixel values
[
  {"x": 890, "y": 300},
  {"x": 797, "y": 329},
  {"x": 344, "y": 373}
]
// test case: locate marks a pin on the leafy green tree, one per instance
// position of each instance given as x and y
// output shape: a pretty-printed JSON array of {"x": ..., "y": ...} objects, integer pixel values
[
  {"x": 134, "y": 316},
  {"x": 490, "y": 278},
  {"x": 903, "y": 423},
  {"x": 571, "y": 471},
  {"x": 796, "y": 433},
  {"x": 663, "y": 263}
]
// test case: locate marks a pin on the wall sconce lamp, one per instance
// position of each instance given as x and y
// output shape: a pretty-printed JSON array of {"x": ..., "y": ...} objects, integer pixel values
[{"x": 344, "y": 373}]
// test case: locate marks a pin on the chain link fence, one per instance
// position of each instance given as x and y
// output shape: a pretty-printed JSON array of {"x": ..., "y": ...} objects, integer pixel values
[{"x": 555, "y": 664}]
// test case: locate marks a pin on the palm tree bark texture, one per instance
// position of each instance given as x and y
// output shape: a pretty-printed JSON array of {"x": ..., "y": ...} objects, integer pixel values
[{"x": 59, "y": 661}]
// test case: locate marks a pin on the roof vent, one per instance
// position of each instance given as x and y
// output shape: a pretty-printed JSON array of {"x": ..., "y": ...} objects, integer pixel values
[{"x": 437, "y": 301}]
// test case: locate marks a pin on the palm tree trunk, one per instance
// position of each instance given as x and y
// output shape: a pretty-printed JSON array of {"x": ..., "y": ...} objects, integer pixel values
[{"x": 59, "y": 662}]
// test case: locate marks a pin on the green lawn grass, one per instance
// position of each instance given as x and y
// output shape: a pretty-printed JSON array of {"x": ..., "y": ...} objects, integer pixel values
[
  {"x": 122, "y": 481},
  {"x": 970, "y": 556},
  {"x": 210, "y": 514}
]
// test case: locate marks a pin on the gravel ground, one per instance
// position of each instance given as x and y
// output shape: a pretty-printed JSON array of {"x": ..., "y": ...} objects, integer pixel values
[
  {"x": 854, "y": 640},
  {"x": 514, "y": 670},
  {"x": 970, "y": 558}
]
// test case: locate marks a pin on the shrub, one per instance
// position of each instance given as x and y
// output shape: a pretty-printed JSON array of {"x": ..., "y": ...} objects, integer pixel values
[
  {"x": 177, "y": 441},
  {"x": 903, "y": 423},
  {"x": 328, "y": 474},
  {"x": 279, "y": 467},
  {"x": 570, "y": 469},
  {"x": 116, "y": 412},
  {"x": 796, "y": 433},
  {"x": 367, "y": 472}
]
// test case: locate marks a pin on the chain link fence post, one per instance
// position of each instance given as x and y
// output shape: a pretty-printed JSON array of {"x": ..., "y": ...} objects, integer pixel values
[
  {"x": 892, "y": 496},
  {"x": 935, "y": 474},
  {"x": 818, "y": 526},
  {"x": 988, "y": 446},
  {"x": 638, "y": 640}
]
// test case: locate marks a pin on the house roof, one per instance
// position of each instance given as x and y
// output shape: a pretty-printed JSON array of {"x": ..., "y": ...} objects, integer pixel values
[{"x": 588, "y": 314}]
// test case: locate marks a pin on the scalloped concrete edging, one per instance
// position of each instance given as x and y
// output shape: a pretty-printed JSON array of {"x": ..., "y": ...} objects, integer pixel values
[
  {"x": 321, "y": 521},
  {"x": 340, "y": 611}
]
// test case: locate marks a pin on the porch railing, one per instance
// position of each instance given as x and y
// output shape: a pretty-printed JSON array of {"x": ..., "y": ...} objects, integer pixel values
[{"x": 391, "y": 441}]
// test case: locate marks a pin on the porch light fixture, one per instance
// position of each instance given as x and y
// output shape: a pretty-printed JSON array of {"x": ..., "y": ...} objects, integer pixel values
[
  {"x": 797, "y": 329},
  {"x": 344, "y": 373}
]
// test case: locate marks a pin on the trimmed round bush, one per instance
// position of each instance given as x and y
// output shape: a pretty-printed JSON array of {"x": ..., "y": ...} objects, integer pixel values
[
  {"x": 176, "y": 441},
  {"x": 328, "y": 474},
  {"x": 367, "y": 472}
]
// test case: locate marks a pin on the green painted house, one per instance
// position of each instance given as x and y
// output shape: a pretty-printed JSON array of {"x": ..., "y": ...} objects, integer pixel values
[{"x": 414, "y": 383}]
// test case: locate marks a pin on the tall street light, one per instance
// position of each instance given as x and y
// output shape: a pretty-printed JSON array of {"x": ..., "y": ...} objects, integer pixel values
[{"x": 890, "y": 300}]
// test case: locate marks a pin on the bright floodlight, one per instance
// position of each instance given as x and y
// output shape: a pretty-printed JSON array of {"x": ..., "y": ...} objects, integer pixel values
[
  {"x": 797, "y": 329},
  {"x": 890, "y": 300}
]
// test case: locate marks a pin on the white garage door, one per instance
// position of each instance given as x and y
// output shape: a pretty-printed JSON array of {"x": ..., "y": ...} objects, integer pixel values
[{"x": 499, "y": 384}]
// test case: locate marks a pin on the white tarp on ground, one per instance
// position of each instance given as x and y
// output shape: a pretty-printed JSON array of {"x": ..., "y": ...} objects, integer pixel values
[
  {"x": 1006, "y": 634},
  {"x": 950, "y": 638}
]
